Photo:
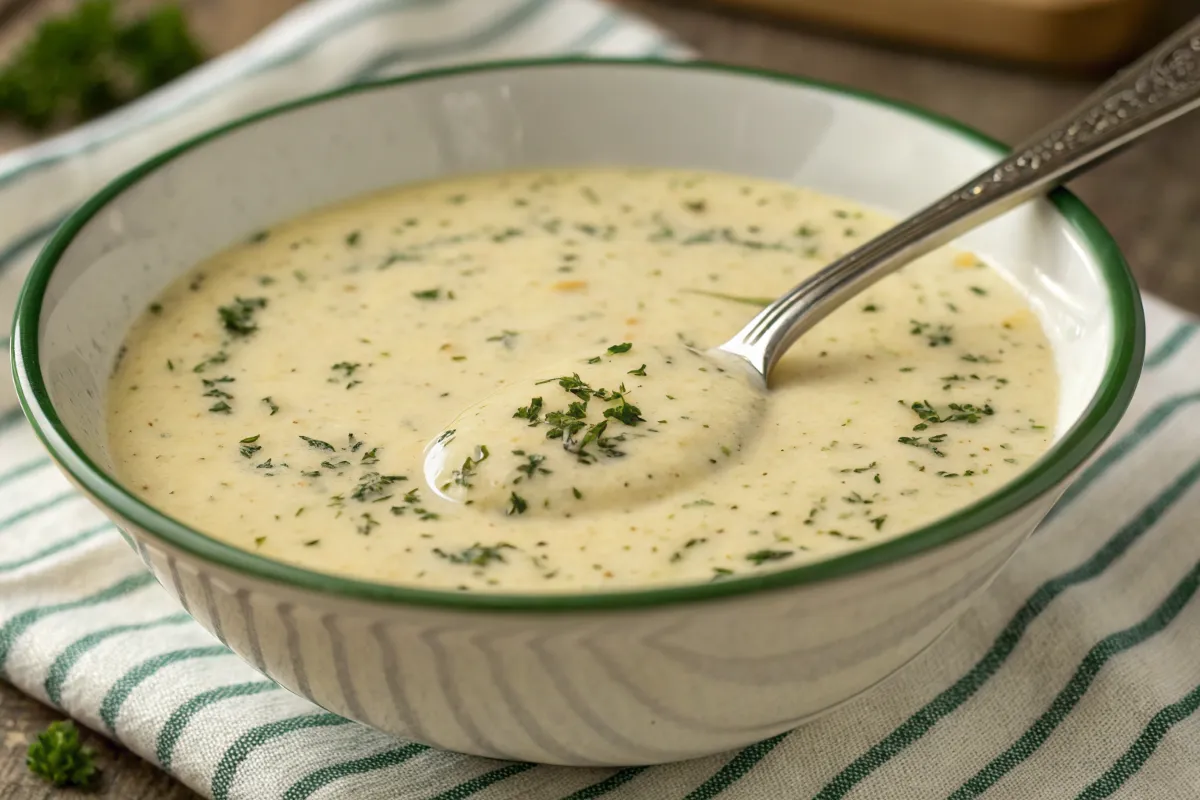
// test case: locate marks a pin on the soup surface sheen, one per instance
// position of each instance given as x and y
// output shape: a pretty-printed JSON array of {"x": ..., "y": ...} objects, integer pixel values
[{"x": 282, "y": 396}]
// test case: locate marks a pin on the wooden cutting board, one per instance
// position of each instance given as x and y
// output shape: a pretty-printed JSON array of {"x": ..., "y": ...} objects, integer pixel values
[{"x": 1068, "y": 34}]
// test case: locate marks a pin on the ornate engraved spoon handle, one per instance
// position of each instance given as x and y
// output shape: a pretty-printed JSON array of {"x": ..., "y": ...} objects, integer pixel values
[{"x": 1162, "y": 85}]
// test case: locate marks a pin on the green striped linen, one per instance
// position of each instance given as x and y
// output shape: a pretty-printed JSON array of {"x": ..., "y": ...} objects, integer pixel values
[{"x": 1077, "y": 675}]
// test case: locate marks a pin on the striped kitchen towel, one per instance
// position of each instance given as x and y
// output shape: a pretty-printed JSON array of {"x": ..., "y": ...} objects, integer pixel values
[{"x": 1075, "y": 676}]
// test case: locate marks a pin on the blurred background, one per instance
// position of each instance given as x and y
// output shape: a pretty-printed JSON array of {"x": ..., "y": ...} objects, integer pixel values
[{"x": 1003, "y": 66}]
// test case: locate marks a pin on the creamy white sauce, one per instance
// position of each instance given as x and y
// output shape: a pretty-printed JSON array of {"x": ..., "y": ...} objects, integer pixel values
[{"x": 284, "y": 395}]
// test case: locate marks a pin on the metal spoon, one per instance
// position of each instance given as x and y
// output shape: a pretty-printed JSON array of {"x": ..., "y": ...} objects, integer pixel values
[{"x": 1161, "y": 86}]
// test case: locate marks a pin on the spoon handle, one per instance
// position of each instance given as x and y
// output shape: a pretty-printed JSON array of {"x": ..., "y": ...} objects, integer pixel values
[{"x": 1162, "y": 85}]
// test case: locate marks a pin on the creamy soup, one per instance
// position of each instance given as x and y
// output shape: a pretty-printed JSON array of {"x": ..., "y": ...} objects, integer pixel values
[{"x": 495, "y": 384}]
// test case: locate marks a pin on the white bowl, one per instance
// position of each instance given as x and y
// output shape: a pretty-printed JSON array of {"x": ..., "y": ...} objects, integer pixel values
[{"x": 613, "y": 678}]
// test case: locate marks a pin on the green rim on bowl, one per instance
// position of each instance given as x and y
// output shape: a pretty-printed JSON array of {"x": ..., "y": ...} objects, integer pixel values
[{"x": 1064, "y": 457}]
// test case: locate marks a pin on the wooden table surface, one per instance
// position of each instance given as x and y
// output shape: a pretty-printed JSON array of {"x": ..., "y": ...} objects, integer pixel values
[{"x": 1149, "y": 197}]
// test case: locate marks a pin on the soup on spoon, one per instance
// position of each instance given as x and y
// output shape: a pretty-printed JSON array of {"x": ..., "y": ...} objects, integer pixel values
[{"x": 628, "y": 425}]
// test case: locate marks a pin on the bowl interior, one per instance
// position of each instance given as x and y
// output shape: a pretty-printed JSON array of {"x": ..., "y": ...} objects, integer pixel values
[{"x": 153, "y": 224}]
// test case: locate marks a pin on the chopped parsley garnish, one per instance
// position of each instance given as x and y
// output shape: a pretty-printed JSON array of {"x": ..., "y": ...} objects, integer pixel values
[
  {"x": 980, "y": 359},
  {"x": 625, "y": 412},
  {"x": 930, "y": 445},
  {"x": 565, "y": 424},
  {"x": 506, "y": 338},
  {"x": 477, "y": 555},
  {"x": 624, "y": 347},
  {"x": 344, "y": 370},
  {"x": 463, "y": 476},
  {"x": 979, "y": 290},
  {"x": 220, "y": 357},
  {"x": 238, "y": 316},
  {"x": 366, "y": 524},
  {"x": 214, "y": 390},
  {"x": 221, "y": 408},
  {"x": 428, "y": 294},
  {"x": 573, "y": 384},
  {"x": 248, "y": 446},
  {"x": 317, "y": 444},
  {"x": 58, "y": 757},
  {"x": 373, "y": 487},
  {"x": 531, "y": 411},
  {"x": 516, "y": 504},
  {"x": 959, "y": 412},
  {"x": 760, "y": 557},
  {"x": 639, "y": 372},
  {"x": 937, "y": 335},
  {"x": 271, "y": 405},
  {"x": 353, "y": 238},
  {"x": 532, "y": 465}
]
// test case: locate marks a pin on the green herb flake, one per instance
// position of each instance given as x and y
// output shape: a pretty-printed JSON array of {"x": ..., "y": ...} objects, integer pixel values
[
  {"x": 516, "y": 504},
  {"x": 930, "y": 445},
  {"x": 220, "y": 357},
  {"x": 477, "y": 555},
  {"x": 428, "y": 294},
  {"x": 625, "y": 412},
  {"x": 530, "y": 412},
  {"x": 937, "y": 335},
  {"x": 248, "y": 446},
  {"x": 760, "y": 557},
  {"x": 317, "y": 444},
  {"x": 58, "y": 756},
  {"x": 238, "y": 316},
  {"x": 372, "y": 487},
  {"x": 366, "y": 523},
  {"x": 532, "y": 465},
  {"x": 506, "y": 338},
  {"x": 462, "y": 476}
]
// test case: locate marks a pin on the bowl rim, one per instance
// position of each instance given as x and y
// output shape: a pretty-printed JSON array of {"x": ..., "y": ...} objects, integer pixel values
[{"x": 1095, "y": 424}]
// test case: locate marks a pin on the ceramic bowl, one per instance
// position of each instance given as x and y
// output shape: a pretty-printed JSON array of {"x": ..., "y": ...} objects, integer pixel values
[{"x": 616, "y": 678}]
